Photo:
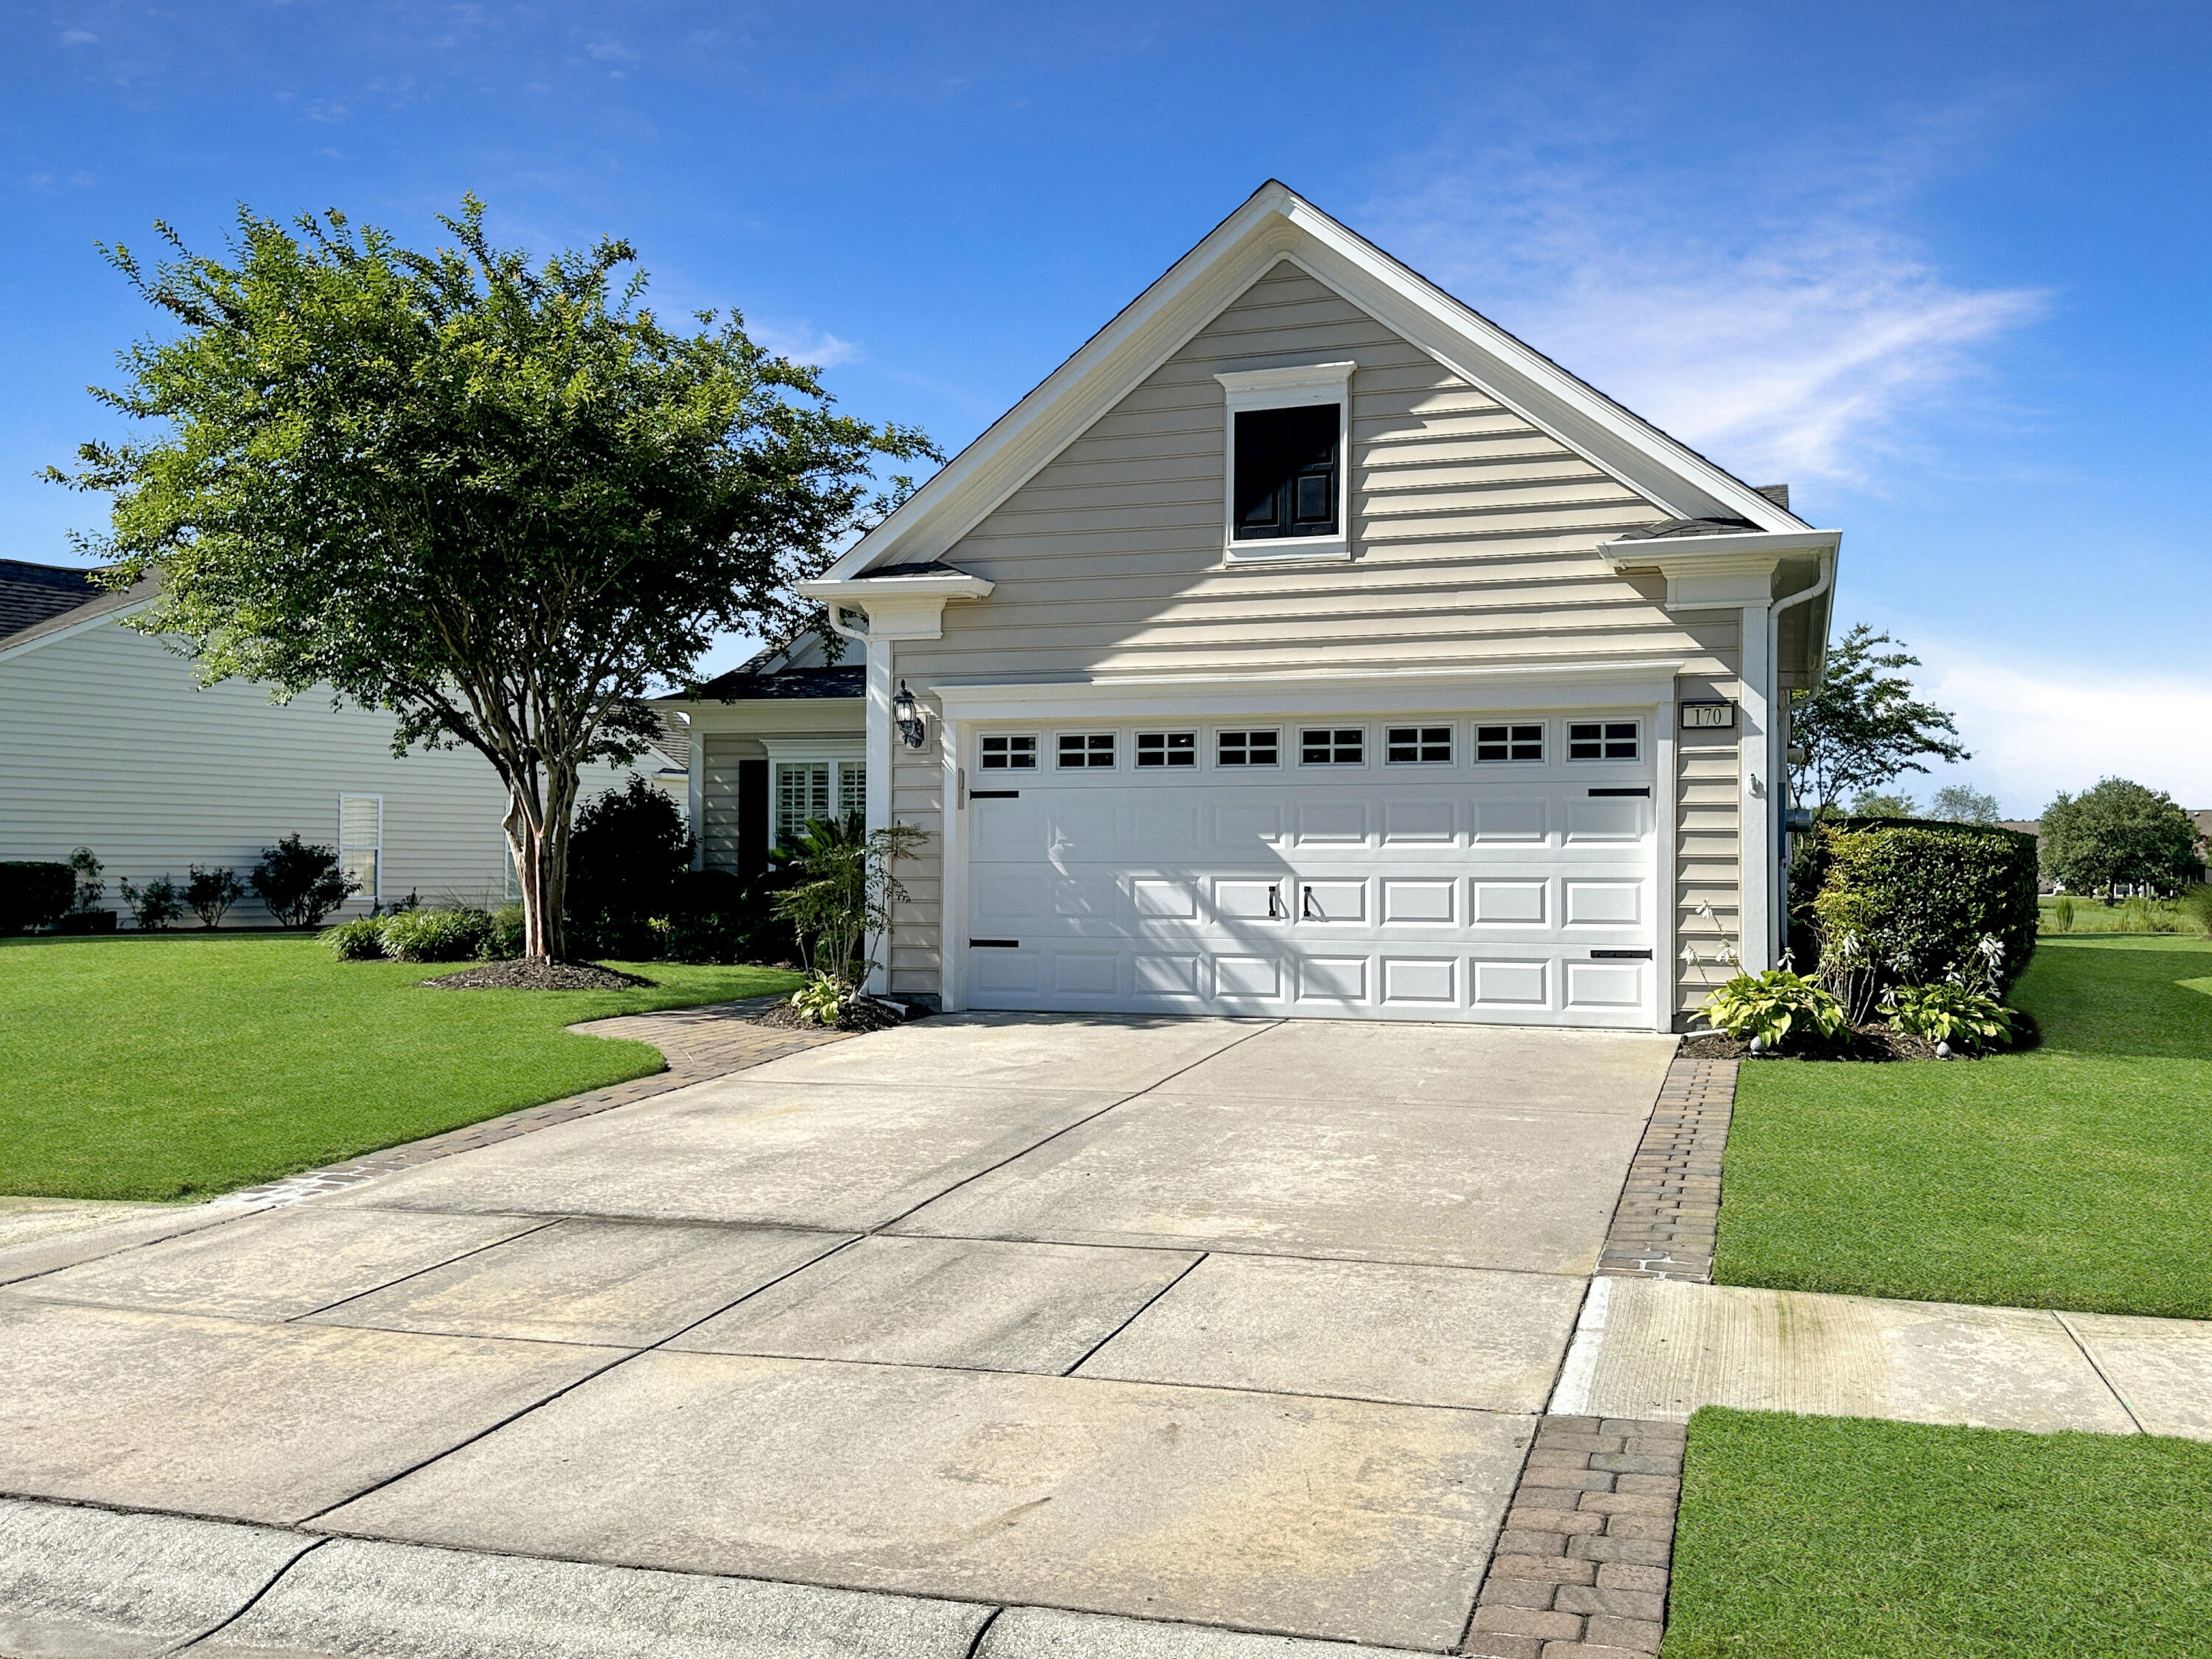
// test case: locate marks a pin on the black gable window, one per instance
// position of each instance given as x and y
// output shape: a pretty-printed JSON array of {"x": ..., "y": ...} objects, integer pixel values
[{"x": 1286, "y": 482}]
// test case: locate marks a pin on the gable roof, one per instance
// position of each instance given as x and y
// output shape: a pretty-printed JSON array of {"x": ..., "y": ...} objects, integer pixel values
[
  {"x": 1277, "y": 224},
  {"x": 33, "y": 594}
]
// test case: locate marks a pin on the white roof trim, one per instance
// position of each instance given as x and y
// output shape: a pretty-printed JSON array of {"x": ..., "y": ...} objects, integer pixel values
[
  {"x": 1276, "y": 224},
  {"x": 109, "y": 607}
]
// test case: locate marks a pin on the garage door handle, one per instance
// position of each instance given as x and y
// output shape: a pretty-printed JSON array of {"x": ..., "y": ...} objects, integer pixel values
[
  {"x": 1306, "y": 909},
  {"x": 1275, "y": 902}
]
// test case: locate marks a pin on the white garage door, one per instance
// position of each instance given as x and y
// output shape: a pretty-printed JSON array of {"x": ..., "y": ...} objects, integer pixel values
[{"x": 1452, "y": 869}]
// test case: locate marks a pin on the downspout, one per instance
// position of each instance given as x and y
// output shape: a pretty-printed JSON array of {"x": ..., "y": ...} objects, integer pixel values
[{"x": 1781, "y": 866}]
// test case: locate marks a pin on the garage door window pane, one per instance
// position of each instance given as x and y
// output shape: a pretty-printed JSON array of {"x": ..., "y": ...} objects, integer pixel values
[
  {"x": 1249, "y": 748},
  {"x": 1167, "y": 748},
  {"x": 1509, "y": 743},
  {"x": 1009, "y": 754},
  {"x": 1333, "y": 746},
  {"x": 1601, "y": 740},
  {"x": 1418, "y": 746},
  {"x": 1083, "y": 748}
]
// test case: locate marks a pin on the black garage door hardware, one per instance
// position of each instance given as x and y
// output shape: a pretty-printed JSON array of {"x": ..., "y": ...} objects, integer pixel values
[
  {"x": 1620, "y": 955},
  {"x": 1016, "y": 945},
  {"x": 1641, "y": 789},
  {"x": 994, "y": 794}
]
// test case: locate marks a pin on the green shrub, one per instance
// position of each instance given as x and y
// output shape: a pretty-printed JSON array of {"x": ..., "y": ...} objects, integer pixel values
[
  {"x": 35, "y": 894},
  {"x": 1949, "y": 1013},
  {"x": 361, "y": 939},
  {"x": 436, "y": 935},
  {"x": 1921, "y": 898},
  {"x": 2061, "y": 914},
  {"x": 156, "y": 904},
  {"x": 211, "y": 892},
  {"x": 1766, "y": 1009},
  {"x": 629, "y": 849},
  {"x": 300, "y": 883},
  {"x": 2197, "y": 905},
  {"x": 821, "y": 1000},
  {"x": 503, "y": 940}
]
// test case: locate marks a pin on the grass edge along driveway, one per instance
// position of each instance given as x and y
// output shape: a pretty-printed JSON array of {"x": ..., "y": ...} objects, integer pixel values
[
  {"x": 2075, "y": 1174},
  {"x": 182, "y": 1065},
  {"x": 1843, "y": 1537}
]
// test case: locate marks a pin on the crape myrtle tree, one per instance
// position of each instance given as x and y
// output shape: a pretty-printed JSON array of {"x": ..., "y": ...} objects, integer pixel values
[
  {"x": 1865, "y": 724},
  {"x": 498, "y": 498}
]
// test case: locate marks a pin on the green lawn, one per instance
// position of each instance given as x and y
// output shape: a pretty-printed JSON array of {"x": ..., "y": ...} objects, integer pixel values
[
  {"x": 2074, "y": 1175},
  {"x": 2095, "y": 916},
  {"x": 180, "y": 1065},
  {"x": 1840, "y": 1537}
]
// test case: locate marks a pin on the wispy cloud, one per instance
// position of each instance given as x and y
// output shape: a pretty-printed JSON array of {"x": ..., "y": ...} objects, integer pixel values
[
  {"x": 2064, "y": 726},
  {"x": 805, "y": 344},
  {"x": 79, "y": 38},
  {"x": 1797, "y": 339}
]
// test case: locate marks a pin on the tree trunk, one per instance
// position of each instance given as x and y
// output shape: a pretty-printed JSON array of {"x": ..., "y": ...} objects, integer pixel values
[{"x": 538, "y": 839}]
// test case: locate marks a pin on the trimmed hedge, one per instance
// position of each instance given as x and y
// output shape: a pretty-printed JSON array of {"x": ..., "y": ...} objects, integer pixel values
[
  {"x": 1925, "y": 894},
  {"x": 35, "y": 894}
]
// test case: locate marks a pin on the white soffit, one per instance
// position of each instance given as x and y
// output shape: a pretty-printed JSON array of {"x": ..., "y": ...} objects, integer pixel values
[{"x": 1277, "y": 224}]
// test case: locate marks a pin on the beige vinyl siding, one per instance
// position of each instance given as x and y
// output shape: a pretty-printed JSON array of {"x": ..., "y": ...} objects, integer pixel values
[
  {"x": 105, "y": 742},
  {"x": 1475, "y": 533},
  {"x": 718, "y": 833},
  {"x": 1708, "y": 847}
]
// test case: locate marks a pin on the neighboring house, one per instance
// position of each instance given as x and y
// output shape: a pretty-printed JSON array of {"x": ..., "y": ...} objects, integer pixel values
[
  {"x": 106, "y": 742},
  {"x": 1305, "y": 645}
]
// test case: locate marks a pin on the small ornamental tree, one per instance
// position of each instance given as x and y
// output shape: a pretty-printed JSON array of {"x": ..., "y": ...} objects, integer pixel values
[
  {"x": 2118, "y": 835},
  {"x": 500, "y": 500},
  {"x": 1865, "y": 724},
  {"x": 212, "y": 891}
]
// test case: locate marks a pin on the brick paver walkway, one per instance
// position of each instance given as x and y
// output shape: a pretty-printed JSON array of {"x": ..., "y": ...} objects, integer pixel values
[
  {"x": 699, "y": 1043},
  {"x": 1581, "y": 1567},
  {"x": 1664, "y": 1226}
]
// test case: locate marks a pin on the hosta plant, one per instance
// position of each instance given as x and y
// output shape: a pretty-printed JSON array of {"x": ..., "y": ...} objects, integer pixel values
[
  {"x": 1949, "y": 1013},
  {"x": 1766, "y": 1010},
  {"x": 821, "y": 1000}
]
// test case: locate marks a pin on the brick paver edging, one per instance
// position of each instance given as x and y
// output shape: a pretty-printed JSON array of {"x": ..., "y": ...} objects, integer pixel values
[
  {"x": 1665, "y": 1223},
  {"x": 699, "y": 1043},
  {"x": 1581, "y": 1567}
]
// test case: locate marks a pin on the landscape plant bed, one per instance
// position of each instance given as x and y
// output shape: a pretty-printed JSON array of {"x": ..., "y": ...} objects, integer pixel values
[
  {"x": 534, "y": 974},
  {"x": 2073, "y": 1175},
  {"x": 180, "y": 1065},
  {"x": 1842, "y": 1538},
  {"x": 862, "y": 1014},
  {"x": 1868, "y": 1042}
]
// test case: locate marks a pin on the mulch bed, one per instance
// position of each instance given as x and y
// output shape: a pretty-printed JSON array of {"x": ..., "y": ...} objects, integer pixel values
[
  {"x": 865, "y": 1014},
  {"x": 1865, "y": 1042},
  {"x": 526, "y": 974}
]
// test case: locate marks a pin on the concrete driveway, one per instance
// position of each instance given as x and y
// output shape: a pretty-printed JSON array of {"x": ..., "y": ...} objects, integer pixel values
[{"x": 1240, "y": 1324}]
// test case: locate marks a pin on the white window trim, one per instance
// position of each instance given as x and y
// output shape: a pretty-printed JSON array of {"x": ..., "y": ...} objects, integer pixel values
[
  {"x": 1088, "y": 765},
  {"x": 1287, "y": 388},
  {"x": 1547, "y": 735},
  {"x": 1166, "y": 763},
  {"x": 1297, "y": 736},
  {"x": 1213, "y": 754},
  {"x": 373, "y": 894},
  {"x": 1567, "y": 740},
  {"x": 1035, "y": 755},
  {"x": 840, "y": 755},
  {"x": 1452, "y": 741}
]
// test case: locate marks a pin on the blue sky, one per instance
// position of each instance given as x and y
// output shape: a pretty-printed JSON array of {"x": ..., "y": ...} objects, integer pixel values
[{"x": 1941, "y": 267}]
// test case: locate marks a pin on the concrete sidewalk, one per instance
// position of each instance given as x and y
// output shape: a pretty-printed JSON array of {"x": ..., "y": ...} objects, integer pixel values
[{"x": 1661, "y": 1348}]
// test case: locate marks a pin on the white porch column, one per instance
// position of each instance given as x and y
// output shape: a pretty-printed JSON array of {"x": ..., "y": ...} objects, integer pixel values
[
  {"x": 694, "y": 791},
  {"x": 1755, "y": 744},
  {"x": 881, "y": 752}
]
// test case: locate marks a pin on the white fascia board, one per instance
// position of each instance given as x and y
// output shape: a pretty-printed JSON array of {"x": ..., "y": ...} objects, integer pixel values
[
  {"x": 1276, "y": 224},
  {"x": 802, "y": 746},
  {"x": 1580, "y": 685},
  {"x": 946, "y": 584},
  {"x": 1651, "y": 550}
]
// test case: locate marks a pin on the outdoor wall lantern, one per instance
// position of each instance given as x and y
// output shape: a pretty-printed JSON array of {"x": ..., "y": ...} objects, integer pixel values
[{"x": 907, "y": 712}]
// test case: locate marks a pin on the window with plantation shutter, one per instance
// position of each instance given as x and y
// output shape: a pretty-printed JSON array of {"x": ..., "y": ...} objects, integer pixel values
[
  {"x": 360, "y": 845},
  {"x": 853, "y": 790},
  {"x": 802, "y": 792}
]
